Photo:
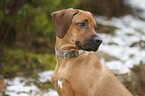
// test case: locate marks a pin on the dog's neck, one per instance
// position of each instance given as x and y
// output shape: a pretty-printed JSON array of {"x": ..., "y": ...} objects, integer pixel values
[{"x": 66, "y": 47}]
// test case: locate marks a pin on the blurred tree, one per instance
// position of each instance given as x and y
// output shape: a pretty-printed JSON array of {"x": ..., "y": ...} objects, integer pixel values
[
  {"x": 26, "y": 25},
  {"x": 22, "y": 21},
  {"x": 107, "y": 8}
]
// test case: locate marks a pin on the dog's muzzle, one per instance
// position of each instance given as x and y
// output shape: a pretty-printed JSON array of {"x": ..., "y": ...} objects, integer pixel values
[{"x": 91, "y": 44}]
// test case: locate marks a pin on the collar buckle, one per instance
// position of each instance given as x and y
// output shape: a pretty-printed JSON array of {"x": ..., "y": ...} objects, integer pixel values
[{"x": 66, "y": 55}]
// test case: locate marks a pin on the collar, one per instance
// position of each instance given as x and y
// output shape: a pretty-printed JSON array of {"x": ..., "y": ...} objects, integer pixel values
[{"x": 69, "y": 55}]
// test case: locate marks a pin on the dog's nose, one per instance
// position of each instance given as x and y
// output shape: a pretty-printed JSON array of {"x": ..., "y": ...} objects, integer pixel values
[{"x": 97, "y": 40}]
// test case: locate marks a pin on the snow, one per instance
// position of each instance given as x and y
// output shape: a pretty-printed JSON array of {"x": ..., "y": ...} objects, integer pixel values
[
  {"x": 18, "y": 87},
  {"x": 129, "y": 30},
  {"x": 136, "y": 3},
  {"x": 45, "y": 76}
]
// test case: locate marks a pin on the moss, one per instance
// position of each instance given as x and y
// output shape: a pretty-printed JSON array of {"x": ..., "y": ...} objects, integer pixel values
[
  {"x": 44, "y": 85},
  {"x": 19, "y": 61}
]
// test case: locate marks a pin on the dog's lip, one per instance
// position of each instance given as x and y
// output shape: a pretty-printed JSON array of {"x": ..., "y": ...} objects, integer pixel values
[{"x": 80, "y": 46}]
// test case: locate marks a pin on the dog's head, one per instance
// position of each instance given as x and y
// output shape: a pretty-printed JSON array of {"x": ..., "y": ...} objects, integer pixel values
[{"x": 77, "y": 27}]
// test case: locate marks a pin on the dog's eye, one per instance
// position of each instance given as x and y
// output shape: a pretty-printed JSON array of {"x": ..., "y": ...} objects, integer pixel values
[{"x": 82, "y": 24}]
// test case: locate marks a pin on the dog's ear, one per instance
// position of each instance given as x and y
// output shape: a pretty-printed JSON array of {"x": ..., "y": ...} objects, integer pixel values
[{"x": 62, "y": 20}]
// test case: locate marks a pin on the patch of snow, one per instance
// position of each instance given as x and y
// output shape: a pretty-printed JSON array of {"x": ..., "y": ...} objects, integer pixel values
[
  {"x": 18, "y": 87},
  {"x": 45, "y": 76},
  {"x": 129, "y": 30},
  {"x": 136, "y": 3},
  {"x": 51, "y": 93}
]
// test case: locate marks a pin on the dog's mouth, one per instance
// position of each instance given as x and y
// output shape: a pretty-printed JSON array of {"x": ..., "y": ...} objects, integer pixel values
[{"x": 90, "y": 45}]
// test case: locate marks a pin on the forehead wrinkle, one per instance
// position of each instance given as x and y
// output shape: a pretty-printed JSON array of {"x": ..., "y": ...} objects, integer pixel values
[{"x": 82, "y": 15}]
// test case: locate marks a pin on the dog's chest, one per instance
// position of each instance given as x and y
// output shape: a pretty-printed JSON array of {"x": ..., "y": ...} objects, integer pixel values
[{"x": 76, "y": 78}]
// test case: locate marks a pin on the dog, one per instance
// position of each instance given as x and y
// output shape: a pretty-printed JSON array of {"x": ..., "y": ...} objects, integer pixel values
[{"x": 78, "y": 71}]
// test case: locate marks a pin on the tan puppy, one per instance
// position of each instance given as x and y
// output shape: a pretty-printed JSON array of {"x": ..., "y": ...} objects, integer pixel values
[{"x": 80, "y": 73}]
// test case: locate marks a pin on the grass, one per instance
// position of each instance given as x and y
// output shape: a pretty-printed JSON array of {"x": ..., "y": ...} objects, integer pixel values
[{"x": 19, "y": 62}]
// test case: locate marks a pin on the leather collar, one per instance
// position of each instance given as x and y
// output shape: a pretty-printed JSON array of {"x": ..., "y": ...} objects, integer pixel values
[{"x": 69, "y": 55}]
